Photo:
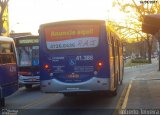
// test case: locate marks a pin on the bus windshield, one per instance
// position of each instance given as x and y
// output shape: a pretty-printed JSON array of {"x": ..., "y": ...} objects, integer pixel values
[
  {"x": 6, "y": 53},
  {"x": 28, "y": 55},
  {"x": 72, "y": 36},
  {"x": 5, "y": 48}
]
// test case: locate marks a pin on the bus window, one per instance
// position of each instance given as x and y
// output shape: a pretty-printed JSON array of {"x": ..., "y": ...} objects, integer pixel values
[
  {"x": 6, "y": 53},
  {"x": 108, "y": 36},
  {"x": 5, "y": 48},
  {"x": 25, "y": 56},
  {"x": 35, "y": 57}
]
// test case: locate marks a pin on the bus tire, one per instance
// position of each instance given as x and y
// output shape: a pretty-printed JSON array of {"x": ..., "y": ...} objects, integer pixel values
[
  {"x": 113, "y": 93},
  {"x": 28, "y": 86},
  {"x": 69, "y": 94},
  {"x": 2, "y": 102},
  {"x": 121, "y": 82}
]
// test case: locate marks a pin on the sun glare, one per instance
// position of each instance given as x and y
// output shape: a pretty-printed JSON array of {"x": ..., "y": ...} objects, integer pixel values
[{"x": 29, "y": 14}]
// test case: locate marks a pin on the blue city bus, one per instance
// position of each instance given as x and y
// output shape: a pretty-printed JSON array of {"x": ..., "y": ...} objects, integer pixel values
[
  {"x": 80, "y": 56},
  {"x": 28, "y": 60},
  {"x": 8, "y": 68}
]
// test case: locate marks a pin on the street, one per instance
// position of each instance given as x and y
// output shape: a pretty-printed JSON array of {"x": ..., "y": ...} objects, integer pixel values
[
  {"x": 83, "y": 57},
  {"x": 33, "y": 101}
]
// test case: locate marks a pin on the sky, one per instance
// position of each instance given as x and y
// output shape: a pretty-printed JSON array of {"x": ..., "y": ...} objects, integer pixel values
[{"x": 28, "y": 15}]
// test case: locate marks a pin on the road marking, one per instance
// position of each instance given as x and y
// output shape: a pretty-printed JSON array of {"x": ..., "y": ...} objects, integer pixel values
[
  {"x": 120, "y": 101},
  {"x": 126, "y": 96},
  {"x": 123, "y": 100}
]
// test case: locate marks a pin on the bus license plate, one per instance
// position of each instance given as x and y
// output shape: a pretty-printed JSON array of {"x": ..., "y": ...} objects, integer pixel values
[
  {"x": 33, "y": 79},
  {"x": 73, "y": 76}
]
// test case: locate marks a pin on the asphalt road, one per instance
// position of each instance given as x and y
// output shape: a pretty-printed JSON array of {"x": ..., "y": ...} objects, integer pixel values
[
  {"x": 28, "y": 102},
  {"x": 35, "y": 102}
]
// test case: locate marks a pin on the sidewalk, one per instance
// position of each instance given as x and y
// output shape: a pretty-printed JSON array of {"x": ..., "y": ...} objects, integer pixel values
[{"x": 145, "y": 92}]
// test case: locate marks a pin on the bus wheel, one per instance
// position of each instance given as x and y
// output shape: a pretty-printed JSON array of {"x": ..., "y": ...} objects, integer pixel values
[
  {"x": 28, "y": 86},
  {"x": 2, "y": 102},
  {"x": 69, "y": 94},
  {"x": 121, "y": 82},
  {"x": 113, "y": 93}
]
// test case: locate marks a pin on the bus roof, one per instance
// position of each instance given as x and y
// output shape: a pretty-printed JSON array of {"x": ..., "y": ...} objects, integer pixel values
[
  {"x": 26, "y": 36},
  {"x": 6, "y": 39},
  {"x": 72, "y": 22}
]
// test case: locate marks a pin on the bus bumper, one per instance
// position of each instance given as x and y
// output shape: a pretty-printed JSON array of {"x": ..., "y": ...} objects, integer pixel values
[
  {"x": 94, "y": 84},
  {"x": 29, "y": 80}
]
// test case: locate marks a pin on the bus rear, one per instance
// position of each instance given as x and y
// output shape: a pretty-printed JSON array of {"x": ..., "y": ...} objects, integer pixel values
[{"x": 74, "y": 57}]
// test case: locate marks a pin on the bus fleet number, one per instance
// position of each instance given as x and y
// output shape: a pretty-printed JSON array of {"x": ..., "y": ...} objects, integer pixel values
[{"x": 84, "y": 58}]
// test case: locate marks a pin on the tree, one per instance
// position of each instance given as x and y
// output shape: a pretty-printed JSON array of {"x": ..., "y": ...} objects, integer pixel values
[
  {"x": 157, "y": 36},
  {"x": 3, "y": 5},
  {"x": 136, "y": 11}
]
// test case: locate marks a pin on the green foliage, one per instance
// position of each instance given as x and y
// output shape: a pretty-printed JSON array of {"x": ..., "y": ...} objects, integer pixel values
[
  {"x": 135, "y": 12},
  {"x": 139, "y": 60},
  {"x": 136, "y": 62}
]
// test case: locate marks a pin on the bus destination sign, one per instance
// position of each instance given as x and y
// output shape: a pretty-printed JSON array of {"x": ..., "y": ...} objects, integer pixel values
[{"x": 28, "y": 41}]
